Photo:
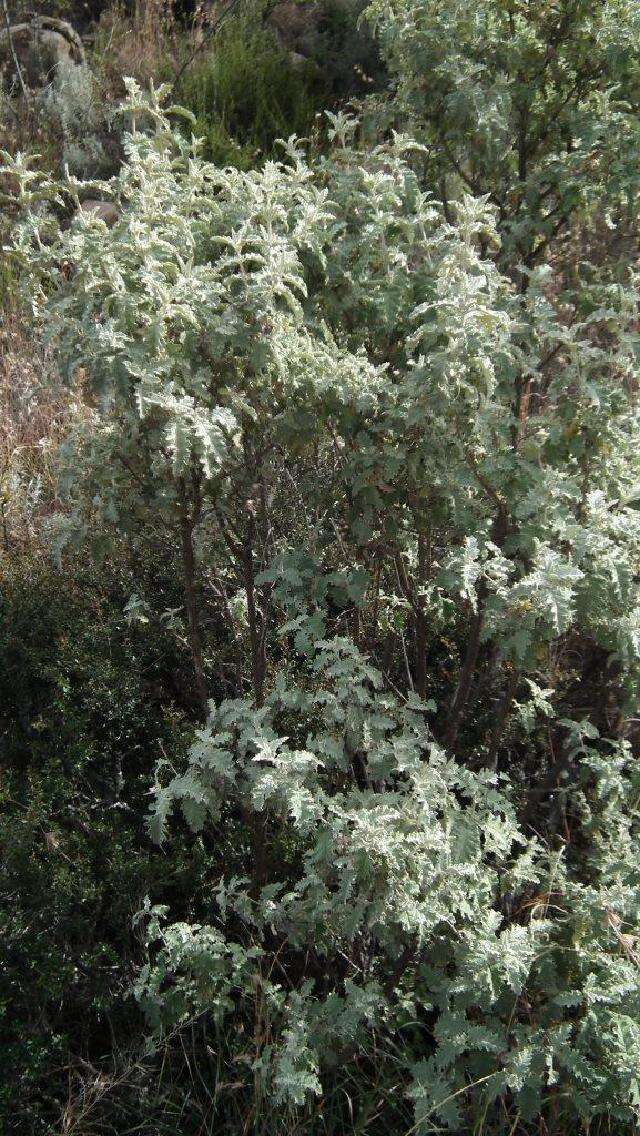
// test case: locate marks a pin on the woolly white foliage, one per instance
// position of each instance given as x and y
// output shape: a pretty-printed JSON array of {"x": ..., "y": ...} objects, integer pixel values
[{"x": 337, "y": 293}]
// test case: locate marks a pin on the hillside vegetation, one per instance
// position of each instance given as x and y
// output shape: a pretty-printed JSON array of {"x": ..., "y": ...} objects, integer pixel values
[{"x": 320, "y": 569}]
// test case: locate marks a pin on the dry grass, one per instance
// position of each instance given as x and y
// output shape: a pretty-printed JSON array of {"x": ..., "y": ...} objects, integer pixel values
[
  {"x": 36, "y": 411},
  {"x": 144, "y": 46}
]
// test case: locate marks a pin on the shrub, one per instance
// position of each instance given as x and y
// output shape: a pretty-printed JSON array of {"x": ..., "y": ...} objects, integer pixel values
[
  {"x": 246, "y": 92},
  {"x": 75, "y": 111},
  {"x": 391, "y": 445},
  {"x": 85, "y": 704}
]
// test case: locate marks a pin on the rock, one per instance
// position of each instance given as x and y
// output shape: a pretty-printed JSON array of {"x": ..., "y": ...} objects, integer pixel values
[
  {"x": 41, "y": 45},
  {"x": 105, "y": 210},
  {"x": 297, "y": 59},
  {"x": 293, "y": 22}
]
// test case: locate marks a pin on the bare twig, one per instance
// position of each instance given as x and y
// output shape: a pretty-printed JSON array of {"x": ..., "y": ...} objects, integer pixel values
[
  {"x": 210, "y": 31},
  {"x": 14, "y": 54}
]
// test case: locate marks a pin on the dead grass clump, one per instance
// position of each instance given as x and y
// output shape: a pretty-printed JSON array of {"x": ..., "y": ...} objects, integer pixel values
[
  {"x": 36, "y": 411},
  {"x": 144, "y": 46}
]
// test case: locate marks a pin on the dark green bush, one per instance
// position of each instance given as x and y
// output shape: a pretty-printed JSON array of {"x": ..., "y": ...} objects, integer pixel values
[
  {"x": 86, "y": 704},
  {"x": 246, "y": 92}
]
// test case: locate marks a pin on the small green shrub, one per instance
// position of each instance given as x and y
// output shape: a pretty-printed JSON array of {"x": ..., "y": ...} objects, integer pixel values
[{"x": 247, "y": 92}]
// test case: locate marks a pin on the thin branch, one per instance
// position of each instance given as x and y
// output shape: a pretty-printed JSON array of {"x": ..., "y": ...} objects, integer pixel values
[
  {"x": 503, "y": 716},
  {"x": 211, "y": 31},
  {"x": 403, "y": 583},
  {"x": 234, "y": 546},
  {"x": 463, "y": 689},
  {"x": 141, "y": 482},
  {"x": 190, "y": 584},
  {"x": 12, "y": 49},
  {"x": 492, "y": 493}
]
